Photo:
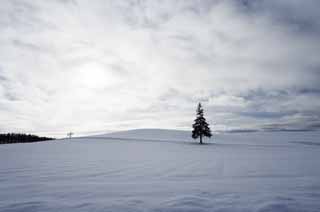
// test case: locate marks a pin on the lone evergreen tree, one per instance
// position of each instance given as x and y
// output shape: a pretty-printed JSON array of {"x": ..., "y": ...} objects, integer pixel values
[{"x": 200, "y": 127}]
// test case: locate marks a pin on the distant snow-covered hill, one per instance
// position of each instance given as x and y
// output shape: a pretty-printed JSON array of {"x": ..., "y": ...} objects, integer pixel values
[
  {"x": 266, "y": 138},
  {"x": 151, "y": 134}
]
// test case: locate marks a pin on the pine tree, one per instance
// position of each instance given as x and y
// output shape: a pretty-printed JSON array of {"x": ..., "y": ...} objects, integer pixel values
[{"x": 200, "y": 127}]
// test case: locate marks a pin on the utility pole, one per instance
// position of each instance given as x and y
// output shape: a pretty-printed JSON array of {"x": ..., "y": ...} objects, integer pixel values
[{"x": 70, "y": 134}]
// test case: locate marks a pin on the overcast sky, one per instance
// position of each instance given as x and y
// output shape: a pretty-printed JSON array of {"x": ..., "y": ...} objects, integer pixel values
[{"x": 94, "y": 66}]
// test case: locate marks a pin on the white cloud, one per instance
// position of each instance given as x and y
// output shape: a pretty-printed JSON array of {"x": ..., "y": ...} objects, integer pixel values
[{"x": 108, "y": 65}]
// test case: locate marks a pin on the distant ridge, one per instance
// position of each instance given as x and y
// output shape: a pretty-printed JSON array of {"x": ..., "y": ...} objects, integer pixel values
[
  {"x": 150, "y": 134},
  {"x": 243, "y": 137}
]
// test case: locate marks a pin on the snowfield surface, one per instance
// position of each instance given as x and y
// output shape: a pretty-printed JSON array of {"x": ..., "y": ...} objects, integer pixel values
[{"x": 258, "y": 172}]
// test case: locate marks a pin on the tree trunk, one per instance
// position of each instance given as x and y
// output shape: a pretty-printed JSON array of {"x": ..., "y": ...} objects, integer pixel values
[{"x": 200, "y": 139}]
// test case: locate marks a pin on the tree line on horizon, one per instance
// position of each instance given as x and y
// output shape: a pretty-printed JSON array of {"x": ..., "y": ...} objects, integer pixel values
[{"x": 10, "y": 138}]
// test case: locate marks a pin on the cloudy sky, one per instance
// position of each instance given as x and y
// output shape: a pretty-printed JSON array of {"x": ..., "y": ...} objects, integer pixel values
[{"x": 95, "y": 66}]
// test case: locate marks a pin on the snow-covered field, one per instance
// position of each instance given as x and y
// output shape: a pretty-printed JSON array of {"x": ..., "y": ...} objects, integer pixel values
[{"x": 258, "y": 172}]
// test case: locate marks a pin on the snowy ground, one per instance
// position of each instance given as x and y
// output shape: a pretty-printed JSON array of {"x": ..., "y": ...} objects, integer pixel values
[{"x": 258, "y": 172}]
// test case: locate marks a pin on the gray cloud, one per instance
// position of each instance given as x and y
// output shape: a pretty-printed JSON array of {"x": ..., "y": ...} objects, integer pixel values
[{"x": 108, "y": 65}]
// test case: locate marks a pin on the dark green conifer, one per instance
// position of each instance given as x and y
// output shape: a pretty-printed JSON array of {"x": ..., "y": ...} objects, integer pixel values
[{"x": 200, "y": 127}]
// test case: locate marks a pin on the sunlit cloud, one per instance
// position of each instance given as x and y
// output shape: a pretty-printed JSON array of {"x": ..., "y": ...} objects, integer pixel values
[{"x": 91, "y": 66}]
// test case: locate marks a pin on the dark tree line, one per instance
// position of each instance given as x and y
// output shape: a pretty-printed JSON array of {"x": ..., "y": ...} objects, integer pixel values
[{"x": 10, "y": 138}]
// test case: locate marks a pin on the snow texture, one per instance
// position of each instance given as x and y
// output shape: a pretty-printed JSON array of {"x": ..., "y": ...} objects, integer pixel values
[{"x": 247, "y": 172}]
